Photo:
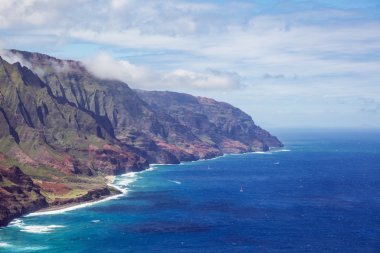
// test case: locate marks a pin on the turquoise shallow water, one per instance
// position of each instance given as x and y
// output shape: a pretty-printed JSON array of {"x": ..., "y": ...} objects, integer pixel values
[{"x": 319, "y": 194}]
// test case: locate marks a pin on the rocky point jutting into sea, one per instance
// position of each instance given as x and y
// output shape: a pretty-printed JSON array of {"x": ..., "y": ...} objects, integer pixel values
[{"x": 62, "y": 130}]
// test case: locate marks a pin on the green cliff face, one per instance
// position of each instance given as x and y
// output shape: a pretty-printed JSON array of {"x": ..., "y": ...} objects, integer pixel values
[
  {"x": 43, "y": 127},
  {"x": 66, "y": 129},
  {"x": 219, "y": 124}
]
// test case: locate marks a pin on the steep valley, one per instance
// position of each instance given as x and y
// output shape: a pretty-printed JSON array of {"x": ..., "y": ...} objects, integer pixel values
[{"x": 62, "y": 130}]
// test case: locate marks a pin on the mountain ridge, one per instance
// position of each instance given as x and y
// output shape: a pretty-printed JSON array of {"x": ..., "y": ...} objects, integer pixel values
[{"x": 66, "y": 129}]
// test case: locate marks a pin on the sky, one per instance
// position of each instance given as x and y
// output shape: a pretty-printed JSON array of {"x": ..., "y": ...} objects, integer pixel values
[{"x": 288, "y": 63}]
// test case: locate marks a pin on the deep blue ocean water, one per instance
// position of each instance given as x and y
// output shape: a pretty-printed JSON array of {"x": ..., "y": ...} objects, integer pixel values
[{"x": 321, "y": 193}]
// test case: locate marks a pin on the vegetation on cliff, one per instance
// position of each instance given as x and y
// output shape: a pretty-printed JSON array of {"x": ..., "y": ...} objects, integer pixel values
[{"x": 66, "y": 129}]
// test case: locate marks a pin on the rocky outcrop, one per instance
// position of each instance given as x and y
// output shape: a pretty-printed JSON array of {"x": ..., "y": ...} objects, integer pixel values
[{"x": 18, "y": 194}]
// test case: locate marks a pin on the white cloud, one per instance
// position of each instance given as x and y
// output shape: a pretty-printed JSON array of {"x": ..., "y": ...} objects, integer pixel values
[
  {"x": 276, "y": 43},
  {"x": 263, "y": 44},
  {"x": 104, "y": 66},
  {"x": 13, "y": 57},
  {"x": 300, "y": 50},
  {"x": 134, "y": 38},
  {"x": 18, "y": 13},
  {"x": 120, "y": 4},
  {"x": 208, "y": 80}
]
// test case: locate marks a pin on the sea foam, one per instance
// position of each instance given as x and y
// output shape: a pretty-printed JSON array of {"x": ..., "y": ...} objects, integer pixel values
[
  {"x": 261, "y": 152},
  {"x": 151, "y": 168},
  {"x": 281, "y": 150},
  {"x": 4, "y": 245},
  {"x": 36, "y": 229},
  {"x": 18, "y": 248},
  {"x": 31, "y": 248},
  {"x": 176, "y": 182},
  {"x": 40, "y": 229},
  {"x": 71, "y": 208}
]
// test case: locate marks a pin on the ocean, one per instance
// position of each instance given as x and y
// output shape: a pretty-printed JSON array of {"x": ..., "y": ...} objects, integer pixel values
[{"x": 321, "y": 193}]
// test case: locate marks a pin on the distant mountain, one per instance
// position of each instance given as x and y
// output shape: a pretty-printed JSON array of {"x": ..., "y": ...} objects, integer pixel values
[
  {"x": 66, "y": 129},
  {"x": 218, "y": 124}
]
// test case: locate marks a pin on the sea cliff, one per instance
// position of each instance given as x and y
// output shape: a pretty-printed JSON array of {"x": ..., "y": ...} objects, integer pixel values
[{"x": 63, "y": 130}]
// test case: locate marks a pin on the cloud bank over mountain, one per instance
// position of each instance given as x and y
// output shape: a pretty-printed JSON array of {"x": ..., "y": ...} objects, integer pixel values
[
  {"x": 104, "y": 66},
  {"x": 317, "y": 51}
]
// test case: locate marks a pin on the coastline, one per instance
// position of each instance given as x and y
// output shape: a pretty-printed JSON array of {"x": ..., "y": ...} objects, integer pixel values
[
  {"x": 74, "y": 206},
  {"x": 110, "y": 179}
]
